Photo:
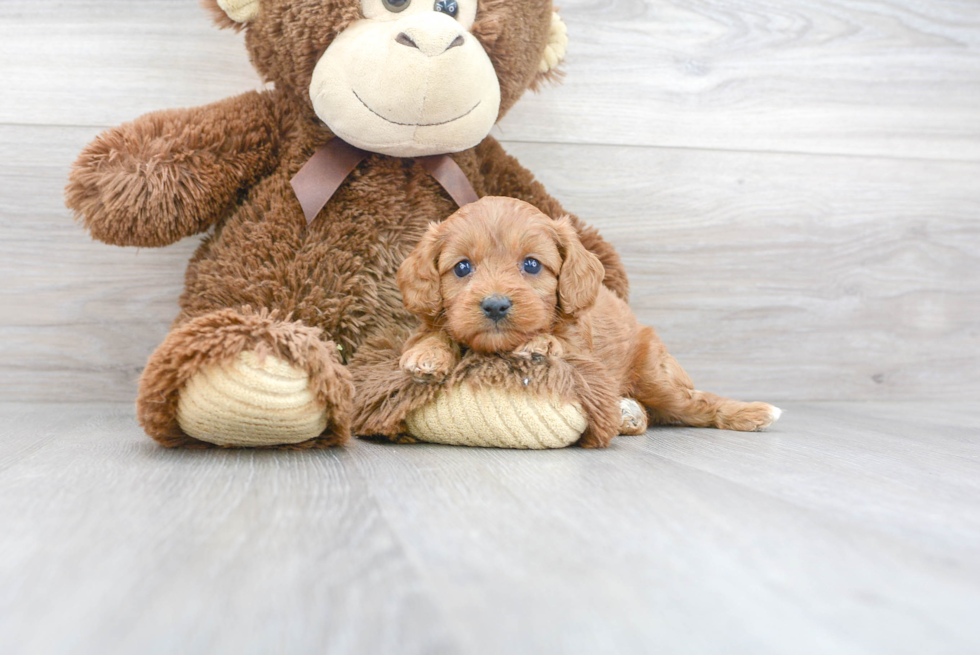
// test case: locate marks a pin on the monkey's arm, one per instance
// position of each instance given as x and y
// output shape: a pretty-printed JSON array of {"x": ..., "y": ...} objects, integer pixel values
[
  {"x": 172, "y": 173},
  {"x": 502, "y": 175}
]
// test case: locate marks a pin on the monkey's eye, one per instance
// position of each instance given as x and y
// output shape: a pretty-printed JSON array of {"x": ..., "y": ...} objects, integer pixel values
[
  {"x": 532, "y": 265},
  {"x": 463, "y": 268},
  {"x": 447, "y": 7},
  {"x": 394, "y": 6}
]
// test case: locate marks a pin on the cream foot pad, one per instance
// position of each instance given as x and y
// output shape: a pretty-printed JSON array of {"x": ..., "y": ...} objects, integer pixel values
[
  {"x": 248, "y": 403},
  {"x": 467, "y": 416}
]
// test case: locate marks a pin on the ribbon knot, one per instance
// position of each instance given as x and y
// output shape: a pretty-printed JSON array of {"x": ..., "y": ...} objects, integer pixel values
[{"x": 330, "y": 165}]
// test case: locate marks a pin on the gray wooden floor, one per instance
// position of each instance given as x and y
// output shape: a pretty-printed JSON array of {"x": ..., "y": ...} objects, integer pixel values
[{"x": 848, "y": 528}]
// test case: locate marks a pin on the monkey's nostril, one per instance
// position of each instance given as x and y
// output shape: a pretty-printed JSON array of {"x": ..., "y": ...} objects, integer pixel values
[
  {"x": 496, "y": 307},
  {"x": 405, "y": 39},
  {"x": 458, "y": 41}
]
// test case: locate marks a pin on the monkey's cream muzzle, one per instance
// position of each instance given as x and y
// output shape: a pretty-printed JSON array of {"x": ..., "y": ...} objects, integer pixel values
[{"x": 421, "y": 85}]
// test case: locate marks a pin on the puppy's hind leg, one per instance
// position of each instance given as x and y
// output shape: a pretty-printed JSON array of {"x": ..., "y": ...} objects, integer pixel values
[{"x": 667, "y": 391}]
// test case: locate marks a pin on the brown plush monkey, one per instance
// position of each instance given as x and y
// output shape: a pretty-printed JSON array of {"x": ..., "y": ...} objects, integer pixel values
[{"x": 274, "y": 305}]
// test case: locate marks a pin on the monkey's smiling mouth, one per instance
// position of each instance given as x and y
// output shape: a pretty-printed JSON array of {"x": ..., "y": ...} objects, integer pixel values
[{"x": 463, "y": 115}]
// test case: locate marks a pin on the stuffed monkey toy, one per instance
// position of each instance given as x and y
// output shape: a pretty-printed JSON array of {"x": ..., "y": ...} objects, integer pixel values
[{"x": 311, "y": 194}]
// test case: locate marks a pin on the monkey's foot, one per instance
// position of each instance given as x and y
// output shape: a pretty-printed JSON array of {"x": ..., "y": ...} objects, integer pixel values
[
  {"x": 251, "y": 401},
  {"x": 239, "y": 378}
]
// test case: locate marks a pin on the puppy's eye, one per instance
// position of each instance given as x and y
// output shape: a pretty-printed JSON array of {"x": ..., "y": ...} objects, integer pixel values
[
  {"x": 394, "y": 6},
  {"x": 449, "y": 7},
  {"x": 463, "y": 268},
  {"x": 532, "y": 266}
]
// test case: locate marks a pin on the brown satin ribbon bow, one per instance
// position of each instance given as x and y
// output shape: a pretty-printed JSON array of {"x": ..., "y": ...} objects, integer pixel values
[{"x": 330, "y": 165}]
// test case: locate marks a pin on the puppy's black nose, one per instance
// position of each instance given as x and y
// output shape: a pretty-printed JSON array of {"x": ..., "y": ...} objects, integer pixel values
[{"x": 496, "y": 307}]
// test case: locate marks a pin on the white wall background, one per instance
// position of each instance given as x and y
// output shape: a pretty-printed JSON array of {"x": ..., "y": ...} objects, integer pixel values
[{"x": 794, "y": 186}]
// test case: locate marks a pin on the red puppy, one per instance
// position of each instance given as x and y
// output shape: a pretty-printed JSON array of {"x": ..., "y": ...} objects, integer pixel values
[{"x": 499, "y": 276}]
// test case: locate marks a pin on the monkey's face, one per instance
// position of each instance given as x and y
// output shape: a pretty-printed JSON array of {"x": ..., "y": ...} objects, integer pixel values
[{"x": 408, "y": 79}]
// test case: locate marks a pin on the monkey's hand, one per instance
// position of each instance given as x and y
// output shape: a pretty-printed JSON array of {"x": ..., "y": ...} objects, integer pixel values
[{"x": 173, "y": 173}]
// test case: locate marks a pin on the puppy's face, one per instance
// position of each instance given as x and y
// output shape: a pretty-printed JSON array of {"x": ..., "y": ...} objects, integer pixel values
[
  {"x": 498, "y": 277},
  {"x": 499, "y": 271}
]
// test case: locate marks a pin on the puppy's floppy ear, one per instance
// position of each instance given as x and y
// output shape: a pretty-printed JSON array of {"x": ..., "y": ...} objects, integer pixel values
[
  {"x": 418, "y": 277},
  {"x": 581, "y": 272}
]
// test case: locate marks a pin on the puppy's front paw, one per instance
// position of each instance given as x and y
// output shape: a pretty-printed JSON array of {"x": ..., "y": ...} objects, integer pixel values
[
  {"x": 543, "y": 345},
  {"x": 427, "y": 363}
]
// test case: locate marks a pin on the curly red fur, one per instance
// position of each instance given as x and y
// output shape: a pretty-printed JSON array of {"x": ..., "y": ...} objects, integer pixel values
[{"x": 561, "y": 311}]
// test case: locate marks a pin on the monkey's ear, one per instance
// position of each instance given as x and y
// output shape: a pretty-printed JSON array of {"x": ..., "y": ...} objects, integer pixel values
[
  {"x": 232, "y": 13},
  {"x": 418, "y": 276},
  {"x": 554, "y": 52},
  {"x": 581, "y": 274}
]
